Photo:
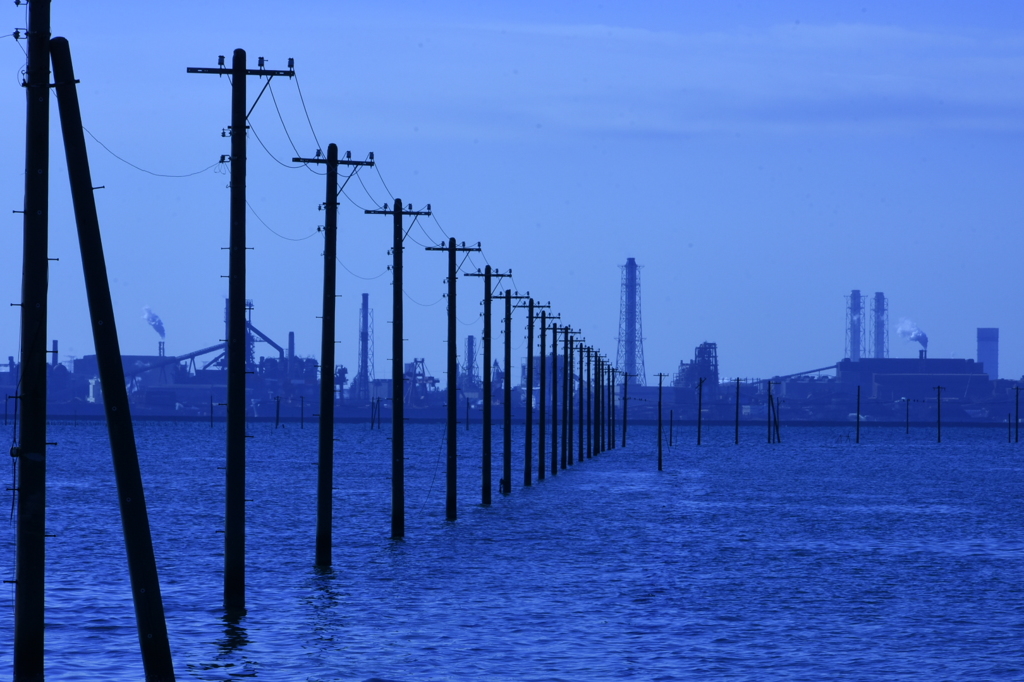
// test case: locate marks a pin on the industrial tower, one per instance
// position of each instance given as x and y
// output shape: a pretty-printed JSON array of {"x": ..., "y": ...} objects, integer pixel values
[
  {"x": 880, "y": 330},
  {"x": 630, "y": 355},
  {"x": 854, "y": 326},
  {"x": 468, "y": 381},
  {"x": 364, "y": 377}
]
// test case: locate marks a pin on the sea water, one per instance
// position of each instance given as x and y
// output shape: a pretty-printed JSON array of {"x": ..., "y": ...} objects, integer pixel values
[{"x": 817, "y": 558}]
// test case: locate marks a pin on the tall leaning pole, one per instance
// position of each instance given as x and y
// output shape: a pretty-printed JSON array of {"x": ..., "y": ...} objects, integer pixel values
[{"x": 31, "y": 450}]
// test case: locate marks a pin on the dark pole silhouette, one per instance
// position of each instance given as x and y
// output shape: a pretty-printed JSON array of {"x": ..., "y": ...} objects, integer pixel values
[
  {"x": 30, "y": 561},
  {"x": 142, "y": 571},
  {"x": 488, "y": 274},
  {"x": 325, "y": 433},
  {"x": 700, "y": 407},
  {"x": 737, "y": 410},
  {"x": 507, "y": 384},
  {"x": 528, "y": 454},
  {"x": 858, "y": 414},
  {"x": 237, "y": 346},
  {"x": 554, "y": 400},
  {"x": 569, "y": 387},
  {"x": 541, "y": 415},
  {"x": 625, "y": 404},
  {"x": 660, "y": 378},
  {"x": 451, "y": 477},
  {"x": 397, "y": 367},
  {"x": 582, "y": 392},
  {"x": 566, "y": 380}
]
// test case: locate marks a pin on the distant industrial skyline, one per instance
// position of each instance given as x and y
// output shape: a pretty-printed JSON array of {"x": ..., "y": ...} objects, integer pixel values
[{"x": 759, "y": 161}]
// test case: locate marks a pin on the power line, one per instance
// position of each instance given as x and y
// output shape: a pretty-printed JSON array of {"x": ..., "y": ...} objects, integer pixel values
[
  {"x": 303, "y": 100},
  {"x": 359, "y": 276},
  {"x": 288, "y": 135},
  {"x": 291, "y": 239},
  {"x": 423, "y": 305},
  {"x": 269, "y": 153},
  {"x": 139, "y": 168},
  {"x": 353, "y": 202}
]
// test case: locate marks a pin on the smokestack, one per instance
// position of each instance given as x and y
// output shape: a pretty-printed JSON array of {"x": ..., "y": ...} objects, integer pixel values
[
  {"x": 922, "y": 354},
  {"x": 880, "y": 315},
  {"x": 855, "y": 314},
  {"x": 53, "y": 360},
  {"x": 988, "y": 350},
  {"x": 291, "y": 347}
]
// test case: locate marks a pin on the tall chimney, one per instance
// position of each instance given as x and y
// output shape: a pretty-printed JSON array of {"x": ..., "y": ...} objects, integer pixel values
[{"x": 855, "y": 324}]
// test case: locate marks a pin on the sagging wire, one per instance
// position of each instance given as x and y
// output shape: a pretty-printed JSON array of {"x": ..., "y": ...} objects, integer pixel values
[
  {"x": 291, "y": 239},
  {"x": 359, "y": 276},
  {"x": 289, "y": 136},
  {"x": 140, "y": 168},
  {"x": 353, "y": 202},
  {"x": 386, "y": 188},
  {"x": 422, "y": 305},
  {"x": 360, "y": 179},
  {"x": 308, "y": 120},
  {"x": 257, "y": 136}
]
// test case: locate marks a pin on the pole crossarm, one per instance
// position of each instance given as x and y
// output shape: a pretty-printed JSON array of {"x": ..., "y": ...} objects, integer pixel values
[
  {"x": 463, "y": 247},
  {"x": 221, "y": 71},
  {"x": 347, "y": 161},
  {"x": 387, "y": 211}
]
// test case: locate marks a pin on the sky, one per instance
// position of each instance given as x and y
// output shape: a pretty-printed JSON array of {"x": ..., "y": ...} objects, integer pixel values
[{"x": 759, "y": 160}]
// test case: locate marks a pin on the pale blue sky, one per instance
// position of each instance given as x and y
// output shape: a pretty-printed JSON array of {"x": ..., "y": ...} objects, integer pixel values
[{"x": 760, "y": 160}]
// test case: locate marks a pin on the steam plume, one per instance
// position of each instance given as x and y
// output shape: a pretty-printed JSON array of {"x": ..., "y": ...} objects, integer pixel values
[
  {"x": 910, "y": 331},
  {"x": 154, "y": 321}
]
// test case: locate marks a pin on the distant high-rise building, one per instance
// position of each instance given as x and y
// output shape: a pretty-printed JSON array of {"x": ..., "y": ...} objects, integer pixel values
[
  {"x": 988, "y": 350},
  {"x": 630, "y": 356}
]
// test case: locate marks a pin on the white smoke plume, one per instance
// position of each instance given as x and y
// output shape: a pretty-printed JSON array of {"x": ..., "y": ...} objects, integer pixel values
[
  {"x": 154, "y": 321},
  {"x": 911, "y": 332}
]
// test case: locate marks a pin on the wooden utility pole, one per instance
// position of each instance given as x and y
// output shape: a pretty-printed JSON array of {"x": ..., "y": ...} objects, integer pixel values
[
  {"x": 142, "y": 570},
  {"x": 528, "y": 464},
  {"x": 660, "y": 378},
  {"x": 554, "y": 400},
  {"x": 542, "y": 413},
  {"x": 237, "y": 351},
  {"x": 487, "y": 275},
  {"x": 397, "y": 367},
  {"x": 325, "y": 449},
  {"x": 858, "y": 414},
  {"x": 581, "y": 425},
  {"x": 30, "y": 453},
  {"x": 453, "y": 373},
  {"x": 625, "y": 403},
  {"x": 612, "y": 371},
  {"x": 737, "y": 410},
  {"x": 507, "y": 385},
  {"x": 566, "y": 458},
  {"x": 700, "y": 407}
]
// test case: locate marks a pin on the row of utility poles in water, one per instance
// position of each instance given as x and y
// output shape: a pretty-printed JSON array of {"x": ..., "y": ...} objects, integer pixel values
[{"x": 596, "y": 429}]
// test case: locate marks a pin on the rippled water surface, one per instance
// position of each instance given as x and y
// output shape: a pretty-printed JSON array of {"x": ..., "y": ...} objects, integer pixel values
[{"x": 814, "y": 559}]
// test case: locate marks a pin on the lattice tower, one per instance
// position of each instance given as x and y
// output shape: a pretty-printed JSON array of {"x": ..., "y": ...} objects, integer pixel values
[{"x": 629, "y": 357}]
